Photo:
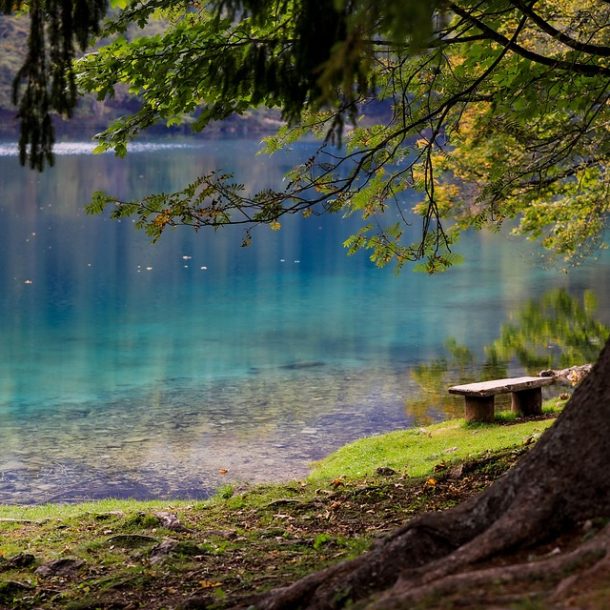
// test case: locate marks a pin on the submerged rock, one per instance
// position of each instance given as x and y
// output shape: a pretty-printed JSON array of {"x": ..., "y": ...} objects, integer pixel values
[{"x": 295, "y": 366}]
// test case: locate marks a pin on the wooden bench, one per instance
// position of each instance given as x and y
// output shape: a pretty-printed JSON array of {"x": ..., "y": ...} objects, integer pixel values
[{"x": 479, "y": 397}]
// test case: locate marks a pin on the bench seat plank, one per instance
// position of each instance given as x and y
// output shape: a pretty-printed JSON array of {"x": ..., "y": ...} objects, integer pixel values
[{"x": 500, "y": 386}]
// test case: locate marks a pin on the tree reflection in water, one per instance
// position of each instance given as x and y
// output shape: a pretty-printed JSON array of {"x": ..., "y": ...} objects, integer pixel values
[{"x": 558, "y": 330}]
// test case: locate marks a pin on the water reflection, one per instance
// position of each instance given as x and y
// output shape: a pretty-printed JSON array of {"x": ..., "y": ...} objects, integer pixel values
[
  {"x": 558, "y": 330},
  {"x": 136, "y": 370}
]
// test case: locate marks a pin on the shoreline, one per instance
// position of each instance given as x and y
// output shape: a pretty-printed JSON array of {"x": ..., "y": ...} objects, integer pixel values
[
  {"x": 355, "y": 460},
  {"x": 243, "y": 541}
]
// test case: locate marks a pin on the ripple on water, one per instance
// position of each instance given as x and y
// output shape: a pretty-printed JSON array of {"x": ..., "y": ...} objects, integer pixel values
[{"x": 175, "y": 442}]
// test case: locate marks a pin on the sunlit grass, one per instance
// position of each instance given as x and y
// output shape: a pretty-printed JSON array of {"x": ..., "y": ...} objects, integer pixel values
[{"x": 416, "y": 452}]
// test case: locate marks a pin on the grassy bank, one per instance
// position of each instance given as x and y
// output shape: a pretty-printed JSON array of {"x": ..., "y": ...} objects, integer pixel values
[
  {"x": 126, "y": 554},
  {"x": 416, "y": 452}
]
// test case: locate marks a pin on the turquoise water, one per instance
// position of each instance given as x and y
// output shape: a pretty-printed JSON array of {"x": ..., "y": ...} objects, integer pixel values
[{"x": 131, "y": 369}]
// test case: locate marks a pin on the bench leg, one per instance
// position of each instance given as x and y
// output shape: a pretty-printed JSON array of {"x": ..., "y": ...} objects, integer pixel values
[
  {"x": 479, "y": 409},
  {"x": 527, "y": 402}
]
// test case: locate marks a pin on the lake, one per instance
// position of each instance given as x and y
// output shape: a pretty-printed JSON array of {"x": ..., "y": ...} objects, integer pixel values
[{"x": 136, "y": 370}]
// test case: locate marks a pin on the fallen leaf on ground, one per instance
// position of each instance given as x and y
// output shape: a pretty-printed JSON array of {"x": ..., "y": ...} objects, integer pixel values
[{"x": 209, "y": 584}]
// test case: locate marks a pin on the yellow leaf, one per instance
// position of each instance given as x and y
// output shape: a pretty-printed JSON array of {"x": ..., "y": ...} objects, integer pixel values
[{"x": 209, "y": 584}]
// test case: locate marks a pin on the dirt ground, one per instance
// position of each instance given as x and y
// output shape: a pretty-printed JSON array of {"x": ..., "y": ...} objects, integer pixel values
[{"x": 229, "y": 551}]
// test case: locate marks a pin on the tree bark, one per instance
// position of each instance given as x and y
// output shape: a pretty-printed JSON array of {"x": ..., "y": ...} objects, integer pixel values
[{"x": 564, "y": 480}]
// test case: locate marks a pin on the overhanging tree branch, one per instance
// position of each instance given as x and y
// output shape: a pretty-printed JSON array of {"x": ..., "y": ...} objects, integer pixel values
[
  {"x": 573, "y": 67},
  {"x": 545, "y": 26}
]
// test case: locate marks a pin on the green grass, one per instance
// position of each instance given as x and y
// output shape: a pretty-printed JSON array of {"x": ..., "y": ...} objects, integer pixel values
[
  {"x": 416, "y": 452},
  {"x": 44, "y": 512}
]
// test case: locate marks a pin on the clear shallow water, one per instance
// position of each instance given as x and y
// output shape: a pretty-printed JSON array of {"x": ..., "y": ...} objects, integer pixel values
[{"x": 128, "y": 369}]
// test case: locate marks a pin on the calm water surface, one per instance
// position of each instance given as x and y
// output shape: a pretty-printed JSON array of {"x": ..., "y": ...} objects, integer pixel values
[{"x": 136, "y": 370}]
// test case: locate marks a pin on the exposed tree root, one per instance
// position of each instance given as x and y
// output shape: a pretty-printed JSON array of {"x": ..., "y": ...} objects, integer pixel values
[
  {"x": 571, "y": 590},
  {"x": 590, "y": 556},
  {"x": 563, "y": 481}
]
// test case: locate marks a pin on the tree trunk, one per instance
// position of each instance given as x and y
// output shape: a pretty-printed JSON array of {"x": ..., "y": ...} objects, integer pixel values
[{"x": 561, "y": 483}]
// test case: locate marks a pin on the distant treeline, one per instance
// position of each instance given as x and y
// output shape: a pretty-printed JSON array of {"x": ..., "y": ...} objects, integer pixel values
[{"x": 92, "y": 115}]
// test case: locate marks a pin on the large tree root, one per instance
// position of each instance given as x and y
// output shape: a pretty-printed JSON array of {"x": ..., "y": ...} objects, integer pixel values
[
  {"x": 574, "y": 589},
  {"x": 564, "y": 480},
  {"x": 549, "y": 571}
]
